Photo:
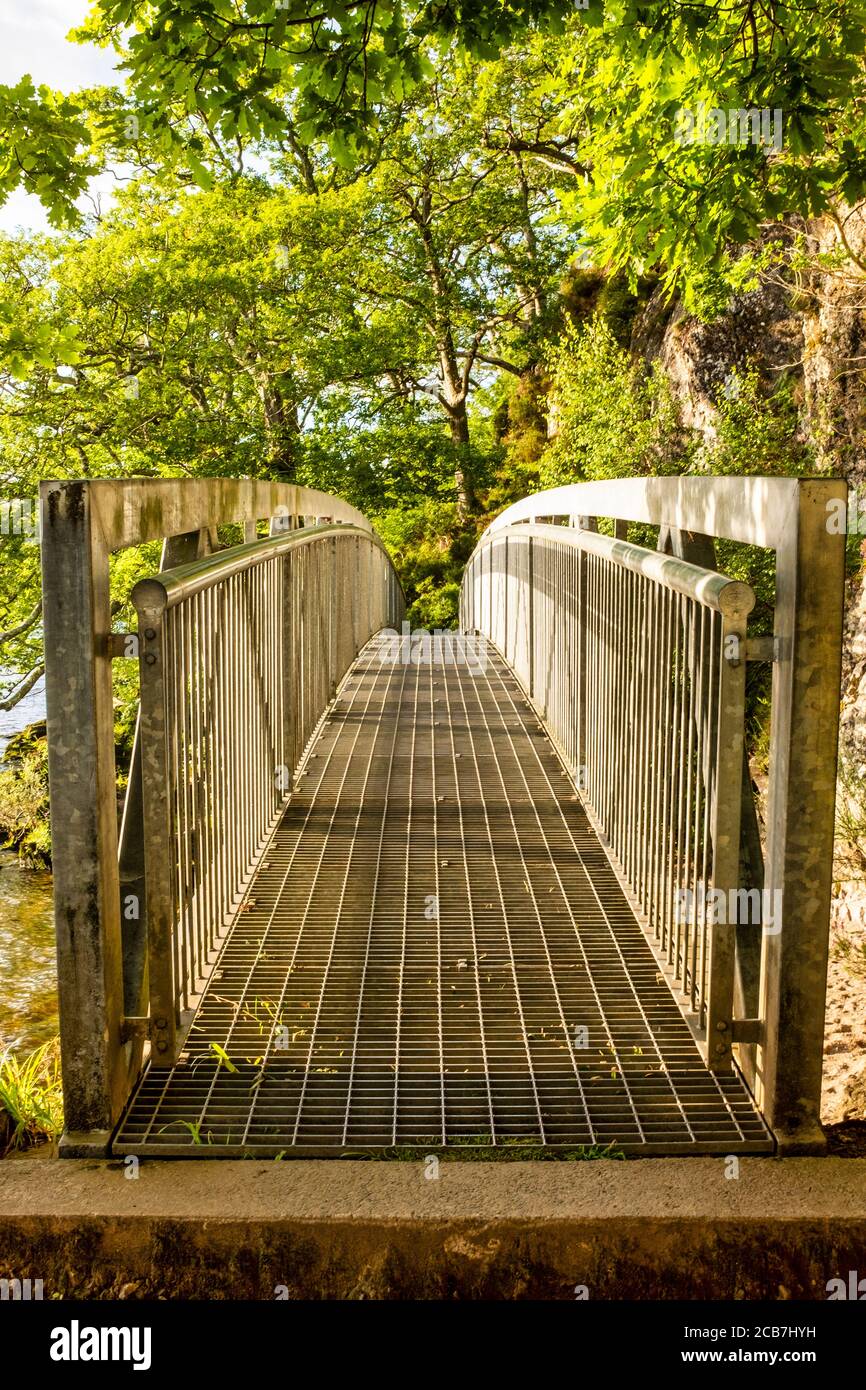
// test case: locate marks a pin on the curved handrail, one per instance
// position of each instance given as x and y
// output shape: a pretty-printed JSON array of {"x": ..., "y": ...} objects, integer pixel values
[
  {"x": 160, "y": 592},
  {"x": 709, "y": 587},
  {"x": 130, "y": 511},
  {"x": 755, "y": 510}
]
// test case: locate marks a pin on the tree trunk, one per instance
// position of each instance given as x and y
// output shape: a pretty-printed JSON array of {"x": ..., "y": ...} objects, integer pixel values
[
  {"x": 454, "y": 401},
  {"x": 282, "y": 433},
  {"x": 458, "y": 424}
]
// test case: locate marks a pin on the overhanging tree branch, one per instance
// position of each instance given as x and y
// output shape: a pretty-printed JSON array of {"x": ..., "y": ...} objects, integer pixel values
[
  {"x": 24, "y": 626},
  {"x": 23, "y": 688}
]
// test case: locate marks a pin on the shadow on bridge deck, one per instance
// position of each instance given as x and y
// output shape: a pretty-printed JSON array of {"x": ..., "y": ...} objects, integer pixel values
[{"x": 436, "y": 951}]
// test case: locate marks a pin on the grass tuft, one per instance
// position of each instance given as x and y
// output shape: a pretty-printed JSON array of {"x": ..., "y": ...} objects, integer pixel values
[{"x": 31, "y": 1097}]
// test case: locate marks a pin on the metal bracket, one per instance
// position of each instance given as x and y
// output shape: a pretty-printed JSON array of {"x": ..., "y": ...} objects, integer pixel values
[
  {"x": 747, "y": 1030},
  {"x": 123, "y": 646},
  {"x": 132, "y": 1026}
]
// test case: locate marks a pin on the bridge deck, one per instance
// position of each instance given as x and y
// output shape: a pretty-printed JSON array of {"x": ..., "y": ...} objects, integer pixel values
[{"x": 432, "y": 926}]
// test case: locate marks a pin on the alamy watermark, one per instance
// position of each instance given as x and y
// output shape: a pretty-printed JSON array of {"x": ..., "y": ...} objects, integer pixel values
[
  {"x": 21, "y": 1290},
  {"x": 77, "y": 1343},
  {"x": 847, "y": 518},
  {"x": 852, "y": 1289},
  {"x": 19, "y": 516},
  {"x": 419, "y": 647},
  {"x": 736, "y": 907},
  {"x": 710, "y": 125}
]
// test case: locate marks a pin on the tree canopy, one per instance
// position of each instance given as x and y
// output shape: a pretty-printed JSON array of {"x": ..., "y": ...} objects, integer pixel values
[{"x": 349, "y": 242}]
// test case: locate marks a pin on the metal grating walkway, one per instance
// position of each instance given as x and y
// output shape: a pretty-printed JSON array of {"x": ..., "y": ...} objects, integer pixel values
[{"x": 436, "y": 951}]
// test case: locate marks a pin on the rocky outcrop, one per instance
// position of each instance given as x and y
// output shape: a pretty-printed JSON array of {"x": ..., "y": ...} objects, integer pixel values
[
  {"x": 834, "y": 346},
  {"x": 699, "y": 359}
]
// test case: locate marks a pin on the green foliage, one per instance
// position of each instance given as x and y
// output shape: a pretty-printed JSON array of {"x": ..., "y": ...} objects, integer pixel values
[
  {"x": 606, "y": 89},
  {"x": 237, "y": 330},
  {"x": 757, "y": 429},
  {"x": 378, "y": 456},
  {"x": 126, "y": 568},
  {"x": 32, "y": 335},
  {"x": 206, "y": 329},
  {"x": 344, "y": 67},
  {"x": 851, "y": 824},
  {"x": 24, "y": 824},
  {"x": 31, "y": 1098},
  {"x": 20, "y": 618},
  {"x": 614, "y": 419},
  {"x": 518, "y": 428},
  {"x": 429, "y": 548},
  {"x": 376, "y": 248},
  {"x": 757, "y": 432},
  {"x": 658, "y": 199},
  {"x": 44, "y": 144},
  {"x": 44, "y": 147}
]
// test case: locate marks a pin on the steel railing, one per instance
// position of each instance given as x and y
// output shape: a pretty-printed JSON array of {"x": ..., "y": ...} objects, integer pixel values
[
  {"x": 99, "y": 886},
  {"x": 101, "y": 895},
  {"x": 780, "y": 956},
  {"x": 636, "y": 663},
  {"x": 240, "y": 655}
]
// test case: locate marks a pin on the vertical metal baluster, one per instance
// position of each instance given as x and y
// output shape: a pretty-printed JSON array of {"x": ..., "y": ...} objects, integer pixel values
[
  {"x": 709, "y": 794},
  {"x": 633, "y": 676},
  {"x": 678, "y": 776},
  {"x": 615, "y": 721},
  {"x": 727, "y": 808},
  {"x": 186, "y": 901},
  {"x": 671, "y": 773},
  {"x": 253, "y": 711},
  {"x": 195, "y": 795},
  {"x": 654, "y": 638},
  {"x": 196, "y": 694},
  {"x": 590, "y": 723},
  {"x": 596, "y": 713},
  {"x": 670, "y": 778},
  {"x": 696, "y": 881},
  {"x": 217, "y": 848},
  {"x": 227, "y": 830},
  {"x": 250, "y": 711},
  {"x": 255, "y": 716},
  {"x": 574, "y": 693},
  {"x": 645, "y": 698},
  {"x": 174, "y": 895},
  {"x": 262, "y": 658},
  {"x": 613, "y": 618},
  {"x": 207, "y": 756},
  {"x": 688, "y": 800},
  {"x": 619, "y": 643},
  {"x": 235, "y": 686},
  {"x": 664, "y": 730}
]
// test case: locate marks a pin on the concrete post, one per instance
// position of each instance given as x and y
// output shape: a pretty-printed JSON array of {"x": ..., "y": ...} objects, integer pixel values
[{"x": 78, "y": 692}]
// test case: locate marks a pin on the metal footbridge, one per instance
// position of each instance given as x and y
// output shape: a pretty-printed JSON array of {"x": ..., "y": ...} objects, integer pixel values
[{"x": 380, "y": 892}]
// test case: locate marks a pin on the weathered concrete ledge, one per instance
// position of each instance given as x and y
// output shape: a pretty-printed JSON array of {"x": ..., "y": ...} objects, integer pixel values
[{"x": 665, "y": 1228}]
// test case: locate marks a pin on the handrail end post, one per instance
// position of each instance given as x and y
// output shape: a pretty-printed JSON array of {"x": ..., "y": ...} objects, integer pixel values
[
  {"x": 81, "y": 767},
  {"x": 810, "y": 570}
]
